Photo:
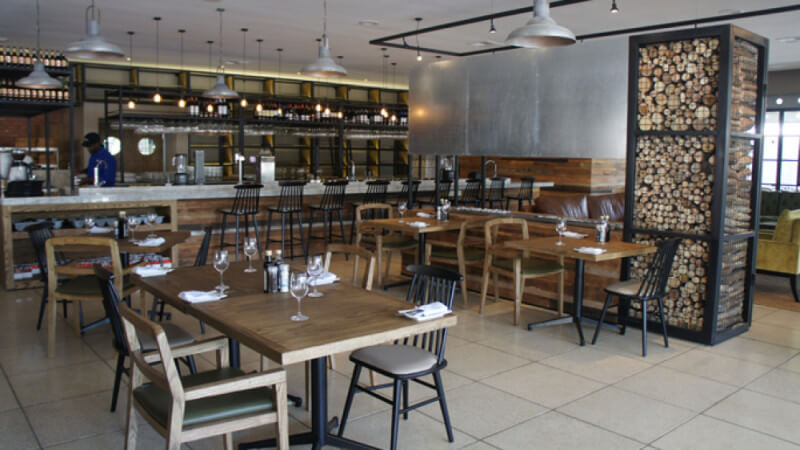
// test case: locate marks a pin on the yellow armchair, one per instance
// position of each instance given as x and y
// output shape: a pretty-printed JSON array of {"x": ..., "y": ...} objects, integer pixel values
[{"x": 779, "y": 252}]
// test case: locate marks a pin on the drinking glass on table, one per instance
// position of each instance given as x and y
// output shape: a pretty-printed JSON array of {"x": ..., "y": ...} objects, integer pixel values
[
  {"x": 250, "y": 249},
  {"x": 561, "y": 227},
  {"x": 401, "y": 208},
  {"x": 88, "y": 223},
  {"x": 298, "y": 287},
  {"x": 315, "y": 269},
  {"x": 132, "y": 222},
  {"x": 151, "y": 220},
  {"x": 221, "y": 263}
]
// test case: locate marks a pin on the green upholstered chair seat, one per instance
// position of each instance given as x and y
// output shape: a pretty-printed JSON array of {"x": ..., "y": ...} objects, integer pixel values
[
  {"x": 391, "y": 241},
  {"x": 86, "y": 285},
  {"x": 156, "y": 401},
  {"x": 470, "y": 253},
  {"x": 530, "y": 266}
]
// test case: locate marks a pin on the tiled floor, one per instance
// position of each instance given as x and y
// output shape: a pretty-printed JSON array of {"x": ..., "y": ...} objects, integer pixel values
[{"x": 506, "y": 387}]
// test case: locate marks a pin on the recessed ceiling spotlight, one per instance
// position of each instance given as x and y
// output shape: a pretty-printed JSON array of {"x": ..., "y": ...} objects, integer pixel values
[
  {"x": 779, "y": 101},
  {"x": 788, "y": 39},
  {"x": 368, "y": 23},
  {"x": 729, "y": 11}
]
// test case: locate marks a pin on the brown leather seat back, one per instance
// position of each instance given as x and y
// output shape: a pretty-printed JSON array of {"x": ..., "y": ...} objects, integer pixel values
[
  {"x": 574, "y": 206},
  {"x": 611, "y": 205}
]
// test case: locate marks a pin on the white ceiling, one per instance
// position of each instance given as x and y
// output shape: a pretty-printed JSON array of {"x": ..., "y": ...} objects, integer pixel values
[{"x": 295, "y": 24}]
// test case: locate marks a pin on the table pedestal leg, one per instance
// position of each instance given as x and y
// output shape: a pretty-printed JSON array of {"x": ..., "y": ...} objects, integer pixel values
[{"x": 577, "y": 306}]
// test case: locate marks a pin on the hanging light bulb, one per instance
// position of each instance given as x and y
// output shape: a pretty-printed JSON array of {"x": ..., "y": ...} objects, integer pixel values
[
  {"x": 210, "y": 107},
  {"x": 614, "y": 8},
  {"x": 340, "y": 115},
  {"x": 156, "y": 98},
  {"x": 280, "y": 111},
  {"x": 157, "y": 95},
  {"x": 318, "y": 108},
  {"x": 384, "y": 112},
  {"x": 181, "y": 103},
  {"x": 92, "y": 46},
  {"x": 243, "y": 102},
  {"x": 541, "y": 31},
  {"x": 324, "y": 66},
  {"x": 492, "y": 29},
  {"x": 220, "y": 90},
  {"x": 416, "y": 36},
  {"x": 327, "y": 111},
  {"x": 393, "y": 118},
  {"x": 259, "y": 107},
  {"x": 131, "y": 104},
  {"x": 38, "y": 78}
]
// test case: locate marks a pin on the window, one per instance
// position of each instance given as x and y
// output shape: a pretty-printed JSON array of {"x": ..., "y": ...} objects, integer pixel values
[
  {"x": 146, "y": 146},
  {"x": 113, "y": 145},
  {"x": 781, "y": 168}
]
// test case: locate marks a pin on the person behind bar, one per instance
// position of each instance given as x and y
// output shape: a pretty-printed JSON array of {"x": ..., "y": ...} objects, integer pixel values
[{"x": 99, "y": 155}]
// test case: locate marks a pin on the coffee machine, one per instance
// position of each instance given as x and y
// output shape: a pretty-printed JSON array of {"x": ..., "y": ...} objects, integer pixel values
[{"x": 181, "y": 173}]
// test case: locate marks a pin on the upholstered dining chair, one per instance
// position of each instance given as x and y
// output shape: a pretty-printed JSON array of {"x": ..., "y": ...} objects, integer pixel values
[{"x": 212, "y": 403}]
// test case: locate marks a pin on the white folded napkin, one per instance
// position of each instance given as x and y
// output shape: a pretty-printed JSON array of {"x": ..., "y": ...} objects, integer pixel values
[
  {"x": 574, "y": 235},
  {"x": 418, "y": 224},
  {"x": 150, "y": 271},
  {"x": 591, "y": 250},
  {"x": 99, "y": 230},
  {"x": 325, "y": 278},
  {"x": 151, "y": 242},
  {"x": 424, "y": 215},
  {"x": 426, "y": 312},
  {"x": 201, "y": 296}
]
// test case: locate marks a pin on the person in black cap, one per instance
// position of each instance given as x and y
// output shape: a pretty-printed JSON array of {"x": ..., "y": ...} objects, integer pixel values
[{"x": 100, "y": 156}]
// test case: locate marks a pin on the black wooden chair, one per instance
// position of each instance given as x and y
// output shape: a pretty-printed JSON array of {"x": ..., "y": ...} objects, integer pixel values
[
  {"x": 176, "y": 335},
  {"x": 245, "y": 204},
  {"x": 402, "y": 197},
  {"x": 376, "y": 193},
  {"x": 38, "y": 235},
  {"x": 653, "y": 286},
  {"x": 291, "y": 203},
  {"x": 412, "y": 358},
  {"x": 471, "y": 196},
  {"x": 430, "y": 198},
  {"x": 496, "y": 194},
  {"x": 332, "y": 202},
  {"x": 523, "y": 194}
]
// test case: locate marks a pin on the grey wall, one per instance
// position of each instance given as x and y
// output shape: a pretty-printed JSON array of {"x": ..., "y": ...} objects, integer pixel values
[{"x": 783, "y": 82}]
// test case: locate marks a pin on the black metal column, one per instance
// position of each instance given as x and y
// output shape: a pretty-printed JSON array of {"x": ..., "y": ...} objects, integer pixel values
[
  {"x": 410, "y": 198},
  {"x": 456, "y": 175},
  {"x": 121, "y": 141},
  {"x": 72, "y": 188},
  {"x": 483, "y": 182},
  {"x": 47, "y": 152},
  {"x": 436, "y": 180}
]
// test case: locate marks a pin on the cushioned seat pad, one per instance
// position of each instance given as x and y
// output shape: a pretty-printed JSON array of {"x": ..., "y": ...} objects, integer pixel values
[
  {"x": 391, "y": 241},
  {"x": 175, "y": 336},
  {"x": 395, "y": 359},
  {"x": 85, "y": 285},
  {"x": 470, "y": 253},
  {"x": 156, "y": 401},
  {"x": 627, "y": 288},
  {"x": 530, "y": 266}
]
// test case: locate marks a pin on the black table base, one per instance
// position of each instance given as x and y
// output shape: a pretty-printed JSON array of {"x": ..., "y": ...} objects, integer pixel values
[{"x": 577, "y": 306}]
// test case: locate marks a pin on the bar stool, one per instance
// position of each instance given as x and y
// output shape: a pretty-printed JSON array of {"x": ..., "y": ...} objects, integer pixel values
[
  {"x": 376, "y": 193},
  {"x": 332, "y": 201},
  {"x": 403, "y": 196},
  {"x": 290, "y": 202},
  {"x": 472, "y": 193},
  {"x": 497, "y": 192},
  {"x": 245, "y": 204},
  {"x": 444, "y": 193},
  {"x": 525, "y": 193}
]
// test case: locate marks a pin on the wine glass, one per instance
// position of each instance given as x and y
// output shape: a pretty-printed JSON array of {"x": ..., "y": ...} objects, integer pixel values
[
  {"x": 298, "y": 287},
  {"x": 151, "y": 220},
  {"x": 221, "y": 263},
  {"x": 561, "y": 227},
  {"x": 132, "y": 222},
  {"x": 315, "y": 269},
  {"x": 401, "y": 208},
  {"x": 250, "y": 249},
  {"x": 89, "y": 223}
]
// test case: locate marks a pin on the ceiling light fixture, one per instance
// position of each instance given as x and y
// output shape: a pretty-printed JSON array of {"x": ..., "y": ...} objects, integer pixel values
[
  {"x": 243, "y": 101},
  {"x": 131, "y": 102},
  {"x": 541, "y": 31},
  {"x": 157, "y": 95},
  {"x": 614, "y": 8},
  {"x": 220, "y": 90},
  {"x": 492, "y": 29},
  {"x": 92, "y": 46},
  {"x": 419, "y": 55},
  {"x": 182, "y": 101},
  {"x": 259, "y": 106},
  {"x": 38, "y": 78},
  {"x": 324, "y": 66}
]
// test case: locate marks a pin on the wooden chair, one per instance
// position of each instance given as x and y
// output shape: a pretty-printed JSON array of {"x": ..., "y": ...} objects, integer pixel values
[
  {"x": 460, "y": 251},
  {"x": 38, "y": 235},
  {"x": 367, "y": 237},
  {"x": 515, "y": 264},
  {"x": 80, "y": 288},
  {"x": 217, "y": 402},
  {"x": 358, "y": 253},
  {"x": 653, "y": 286},
  {"x": 412, "y": 358}
]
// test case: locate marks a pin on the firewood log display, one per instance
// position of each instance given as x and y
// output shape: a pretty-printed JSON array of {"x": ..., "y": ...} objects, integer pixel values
[
  {"x": 744, "y": 91},
  {"x": 678, "y": 85},
  {"x": 738, "y": 213},
  {"x": 732, "y": 284}
]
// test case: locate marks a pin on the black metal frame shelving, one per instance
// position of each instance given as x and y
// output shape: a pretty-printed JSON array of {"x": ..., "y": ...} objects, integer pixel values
[{"x": 723, "y": 136}]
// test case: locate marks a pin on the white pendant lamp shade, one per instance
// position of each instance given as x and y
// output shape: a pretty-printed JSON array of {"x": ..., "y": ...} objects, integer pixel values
[
  {"x": 38, "y": 79},
  {"x": 324, "y": 66},
  {"x": 220, "y": 90},
  {"x": 92, "y": 46},
  {"x": 541, "y": 31}
]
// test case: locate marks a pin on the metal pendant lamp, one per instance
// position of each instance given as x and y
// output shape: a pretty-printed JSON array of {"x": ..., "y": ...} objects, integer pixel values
[
  {"x": 92, "y": 46},
  {"x": 324, "y": 66},
  {"x": 541, "y": 31},
  {"x": 220, "y": 90},
  {"x": 38, "y": 78}
]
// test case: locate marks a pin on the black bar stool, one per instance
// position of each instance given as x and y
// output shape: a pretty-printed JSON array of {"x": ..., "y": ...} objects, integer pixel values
[
  {"x": 444, "y": 193},
  {"x": 245, "y": 204},
  {"x": 472, "y": 193},
  {"x": 524, "y": 194},
  {"x": 403, "y": 196},
  {"x": 376, "y": 193},
  {"x": 290, "y": 202},
  {"x": 497, "y": 189},
  {"x": 332, "y": 201}
]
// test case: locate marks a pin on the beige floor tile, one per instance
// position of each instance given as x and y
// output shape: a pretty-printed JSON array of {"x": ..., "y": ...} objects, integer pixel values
[
  {"x": 717, "y": 367},
  {"x": 76, "y": 418},
  {"x": 628, "y": 414},
  {"x": 15, "y": 433},
  {"x": 783, "y": 318},
  {"x": 761, "y": 311},
  {"x": 61, "y": 383},
  {"x": 755, "y": 351},
  {"x": 779, "y": 383},
  {"x": 146, "y": 438},
  {"x": 251, "y": 435},
  {"x": 793, "y": 364},
  {"x": 472, "y": 327},
  {"x": 476, "y": 361},
  {"x": 712, "y": 434},
  {"x": 418, "y": 432},
  {"x": 7, "y": 399},
  {"x": 630, "y": 345},
  {"x": 480, "y": 445},
  {"x": 596, "y": 364},
  {"x": 480, "y": 410},
  {"x": 543, "y": 384},
  {"x": 33, "y": 357},
  {"x": 676, "y": 388},
  {"x": 557, "y": 431},
  {"x": 530, "y": 345},
  {"x": 760, "y": 412},
  {"x": 788, "y": 337}
]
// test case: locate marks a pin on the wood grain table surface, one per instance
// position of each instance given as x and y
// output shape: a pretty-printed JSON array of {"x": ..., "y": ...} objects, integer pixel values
[{"x": 614, "y": 249}]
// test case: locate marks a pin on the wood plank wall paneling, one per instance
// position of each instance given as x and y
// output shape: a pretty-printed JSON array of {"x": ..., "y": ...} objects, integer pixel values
[{"x": 590, "y": 175}]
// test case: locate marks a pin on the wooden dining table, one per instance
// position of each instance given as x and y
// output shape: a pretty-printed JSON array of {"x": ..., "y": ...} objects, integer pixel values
[
  {"x": 547, "y": 246},
  {"x": 344, "y": 319}
]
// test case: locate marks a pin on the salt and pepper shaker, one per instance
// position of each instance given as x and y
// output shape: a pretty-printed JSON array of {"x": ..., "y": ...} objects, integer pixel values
[{"x": 602, "y": 234}]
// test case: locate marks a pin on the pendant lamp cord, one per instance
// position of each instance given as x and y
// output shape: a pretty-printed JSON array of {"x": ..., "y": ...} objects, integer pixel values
[
  {"x": 219, "y": 66},
  {"x": 130, "y": 46},
  {"x": 324, "y": 17},
  {"x": 37, "y": 31},
  {"x": 244, "y": 49},
  {"x": 180, "y": 33}
]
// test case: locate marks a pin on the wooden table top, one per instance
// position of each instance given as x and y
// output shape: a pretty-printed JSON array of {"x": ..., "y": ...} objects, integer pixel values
[
  {"x": 614, "y": 249},
  {"x": 346, "y": 318},
  {"x": 401, "y": 224},
  {"x": 171, "y": 239}
]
